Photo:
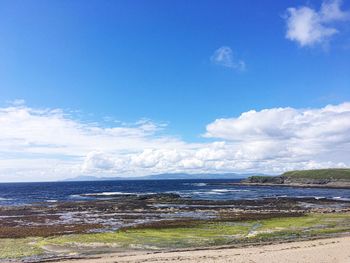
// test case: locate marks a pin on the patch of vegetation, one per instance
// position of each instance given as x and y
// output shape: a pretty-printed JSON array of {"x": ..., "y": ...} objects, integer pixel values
[
  {"x": 213, "y": 233},
  {"x": 203, "y": 234},
  {"x": 19, "y": 248},
  {"x": 336, "y": 174},
  {"x": 263, "y": 179},
  {"x": 294, "y": 222},
  {"x": 320, "y": 176},
  {"x": 199, "y": 235},
  {"x": 307, "y": 226}
]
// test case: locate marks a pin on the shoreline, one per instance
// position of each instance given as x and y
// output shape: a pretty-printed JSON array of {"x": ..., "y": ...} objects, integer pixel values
[
  {"x": 202, "y": 237},
  {"x": 163, "y": 223},
  {"x": 333, "y": 249},
  {"x": 144, "y": 211}
]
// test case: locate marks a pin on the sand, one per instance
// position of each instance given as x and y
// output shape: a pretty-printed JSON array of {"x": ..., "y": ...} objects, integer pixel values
[{"x": 322, "y": 250}]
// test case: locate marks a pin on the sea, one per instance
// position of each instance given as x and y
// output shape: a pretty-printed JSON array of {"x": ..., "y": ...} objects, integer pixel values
[{"x": 14, "y": 194}]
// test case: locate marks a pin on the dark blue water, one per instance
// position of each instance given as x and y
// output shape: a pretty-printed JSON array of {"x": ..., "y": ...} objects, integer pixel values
[{"x": 28, "y": 193}]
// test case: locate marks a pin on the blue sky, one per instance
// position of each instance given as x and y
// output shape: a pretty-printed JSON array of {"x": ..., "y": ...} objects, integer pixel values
[{"x": 159, "y": 60}]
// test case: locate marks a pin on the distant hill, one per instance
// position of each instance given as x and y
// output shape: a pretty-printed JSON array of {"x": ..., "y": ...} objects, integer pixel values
[
  {"x": 165, "y": 176},
  {"x": 338, "y": 178}
]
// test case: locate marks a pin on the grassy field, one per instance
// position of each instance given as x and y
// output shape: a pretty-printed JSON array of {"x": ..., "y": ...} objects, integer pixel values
[
  {"x": 342, "y": 174},
  {"x": 202, "y": 234}
]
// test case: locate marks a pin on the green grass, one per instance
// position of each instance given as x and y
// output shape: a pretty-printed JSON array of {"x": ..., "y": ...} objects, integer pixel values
[
  {"x": 202, "y": 234},
  {"x": 343, "y": 174}
]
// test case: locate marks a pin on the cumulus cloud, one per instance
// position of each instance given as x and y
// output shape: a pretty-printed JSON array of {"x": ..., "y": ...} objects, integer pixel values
[
  {"x": 308, "y": 26},
  {"x": 53, "y": 134},
  {"x": 288, "y": 134},
  {"x": 224, "y": 56},
  {"x": 96, "y": 160},
  {"x": 330, "y": 123},
  {"x": 50, "y": 144}
]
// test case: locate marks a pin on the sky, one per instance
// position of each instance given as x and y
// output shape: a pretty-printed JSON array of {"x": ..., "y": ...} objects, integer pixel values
[{"x": 130, "y": 88}]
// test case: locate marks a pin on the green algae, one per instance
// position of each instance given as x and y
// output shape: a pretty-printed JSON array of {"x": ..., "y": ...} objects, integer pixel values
[
  {"x": 202, "y": 234},
  {"x": 306, "y": 226},
  {"x": 214, "y": 233},
  {"x": 174, "y": 237},
  {"x": 19, "y": 248},
  {"x": 311, "y": 220}
]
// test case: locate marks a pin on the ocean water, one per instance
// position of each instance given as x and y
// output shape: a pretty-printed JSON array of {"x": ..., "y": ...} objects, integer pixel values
[{"x": 29, "y": 193}]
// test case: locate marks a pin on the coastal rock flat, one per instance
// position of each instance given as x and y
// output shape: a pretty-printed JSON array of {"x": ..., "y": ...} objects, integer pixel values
[{"x": 335, "y": 250}]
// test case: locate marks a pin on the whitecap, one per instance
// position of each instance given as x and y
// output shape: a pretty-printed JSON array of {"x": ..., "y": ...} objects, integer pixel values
[
  {"x": 341, "y": 198},
  {"x": 107, "y": 194},
  {"x": 78, "y": 196},
  {"x": 5, "y": 199},
  {"x": 199, "y": 184},
  {"x": 114, "y": 193},
  {"x": 229, "y": 190}
]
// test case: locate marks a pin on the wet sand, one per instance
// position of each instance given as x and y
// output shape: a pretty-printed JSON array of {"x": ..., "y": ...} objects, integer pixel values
[{"x": 322, "y": 250}]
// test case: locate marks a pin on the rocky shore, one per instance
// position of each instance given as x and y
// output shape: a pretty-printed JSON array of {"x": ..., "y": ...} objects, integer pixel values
[
  {"x": 161, "y": 222},
  {"x": 156, "y": 210}
]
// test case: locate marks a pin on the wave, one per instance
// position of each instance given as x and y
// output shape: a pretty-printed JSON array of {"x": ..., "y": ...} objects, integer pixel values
[
  {"x": 107, "y": 194},
  {"x": 204, "y": 193},
  {"x": 5, "y": 199},
  {"x": 78, "y": 196},
  {"x": 52, "y": 201},
  {"x": 196, "y": 184},
  {"x": 229, "y": 190},
  {"x": 318, "y": 197},
  {"x": 341, "y": 198}
]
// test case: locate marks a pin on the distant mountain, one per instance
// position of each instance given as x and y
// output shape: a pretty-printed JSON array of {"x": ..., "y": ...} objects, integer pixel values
[{"x": 166, "y": 176}]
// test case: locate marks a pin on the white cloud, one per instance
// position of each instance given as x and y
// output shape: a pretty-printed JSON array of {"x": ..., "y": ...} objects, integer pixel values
[
  {"x": 330, "y": 11},
  {"x": 46, "y": 134},
  {"x": 288, "y": 134},
  {"x": 40, "y": 145},
  {"x": 96, "y": 160},
  {"x": 330, "y": 123},
  {"x": 223, "y": 56},
  {"x": 308, "y": 26}
]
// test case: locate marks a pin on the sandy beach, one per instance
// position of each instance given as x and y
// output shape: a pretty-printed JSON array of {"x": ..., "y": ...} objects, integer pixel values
[{"x": 322, "y": 250}]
